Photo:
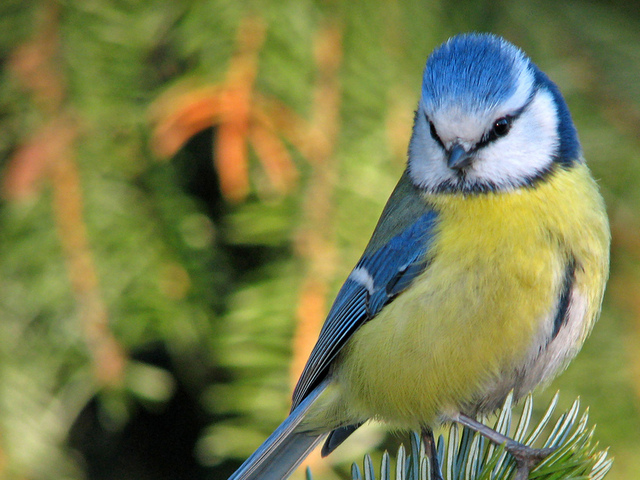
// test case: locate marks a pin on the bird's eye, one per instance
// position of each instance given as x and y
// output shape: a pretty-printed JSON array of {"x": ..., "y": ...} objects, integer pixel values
[{"x": 501, "y": 127}]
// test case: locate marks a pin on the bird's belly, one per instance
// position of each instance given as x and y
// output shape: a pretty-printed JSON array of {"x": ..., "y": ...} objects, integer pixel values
[{"x": 462, "y": 328}]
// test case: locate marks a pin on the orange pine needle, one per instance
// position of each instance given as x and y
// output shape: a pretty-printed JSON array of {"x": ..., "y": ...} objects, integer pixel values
[
  {"x": 31, "y": 162},
  {"x": 274, "y": 157},
  {"x": 311, "y": 308},
  {"x": 32, "y": 62},
  {"x": 107, "y": 354},
  {"x": 231, "y": 160},
  {"x": 180, "y": 117},
  {"x": 236, "y": 101}
]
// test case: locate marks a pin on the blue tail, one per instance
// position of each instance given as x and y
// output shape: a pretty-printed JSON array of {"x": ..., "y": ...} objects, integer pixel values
[{"x": 285, "y": 448}]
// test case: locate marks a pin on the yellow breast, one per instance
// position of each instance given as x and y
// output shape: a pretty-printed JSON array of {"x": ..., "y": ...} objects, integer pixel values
[{"x": 497, "y": 269}]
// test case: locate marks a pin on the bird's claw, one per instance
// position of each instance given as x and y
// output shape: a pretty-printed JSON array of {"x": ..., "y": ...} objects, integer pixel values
[{"x": 527, "y": 458}]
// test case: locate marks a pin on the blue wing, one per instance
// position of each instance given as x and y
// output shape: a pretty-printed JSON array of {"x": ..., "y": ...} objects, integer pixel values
[{"x": 384, "y": 271}]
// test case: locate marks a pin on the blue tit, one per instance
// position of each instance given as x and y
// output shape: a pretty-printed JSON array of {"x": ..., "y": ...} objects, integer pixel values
[{"x": 484, "y": 275}]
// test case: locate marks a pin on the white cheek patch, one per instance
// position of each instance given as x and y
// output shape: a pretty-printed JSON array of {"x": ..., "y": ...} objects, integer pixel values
[
  {"x": 427, "y": 163},
  {"x": 527, "y": 150}
]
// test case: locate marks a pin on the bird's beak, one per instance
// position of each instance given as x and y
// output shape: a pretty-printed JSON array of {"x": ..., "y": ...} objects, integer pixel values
[{"x": 458, "y": 157}]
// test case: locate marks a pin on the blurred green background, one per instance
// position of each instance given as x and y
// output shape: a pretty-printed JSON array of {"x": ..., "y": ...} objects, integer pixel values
[{"x": 185, "y": 185}]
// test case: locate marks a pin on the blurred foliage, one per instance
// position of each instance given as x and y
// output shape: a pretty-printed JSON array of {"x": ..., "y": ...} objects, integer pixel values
[{"x": 184, "y": 185}]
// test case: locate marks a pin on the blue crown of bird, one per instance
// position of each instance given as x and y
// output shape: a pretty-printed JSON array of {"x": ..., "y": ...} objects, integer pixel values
[{"x": 483, "y": 276}]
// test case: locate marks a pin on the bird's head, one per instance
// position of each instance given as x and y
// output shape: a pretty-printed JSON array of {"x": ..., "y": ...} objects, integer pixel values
[{"x": 488, "y": 120}]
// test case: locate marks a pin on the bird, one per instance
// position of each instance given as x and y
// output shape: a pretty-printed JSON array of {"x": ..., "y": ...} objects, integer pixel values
[{"x": 484, "y": 275}]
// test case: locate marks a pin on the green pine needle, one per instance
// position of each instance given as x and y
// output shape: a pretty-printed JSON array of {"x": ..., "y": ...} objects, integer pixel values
[{"x": 467, "y": 455}]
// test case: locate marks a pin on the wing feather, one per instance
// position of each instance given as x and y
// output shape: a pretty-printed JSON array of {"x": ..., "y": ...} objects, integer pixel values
[{"x": 388, "y": 269}]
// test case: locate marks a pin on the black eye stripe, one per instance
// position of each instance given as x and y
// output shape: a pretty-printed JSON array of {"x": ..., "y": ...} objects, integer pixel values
[{"x": 434, "y": 133}]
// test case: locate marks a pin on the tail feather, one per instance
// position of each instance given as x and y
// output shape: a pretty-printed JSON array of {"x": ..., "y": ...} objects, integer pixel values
[
  {"x": 285, "y": 448},
  {"x": 337, "y": 436}
]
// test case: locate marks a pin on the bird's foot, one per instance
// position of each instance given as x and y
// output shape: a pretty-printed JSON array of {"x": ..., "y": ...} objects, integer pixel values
[
  {"x": 432, "y": 453},
  {"x": 526, "y": 458}
]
